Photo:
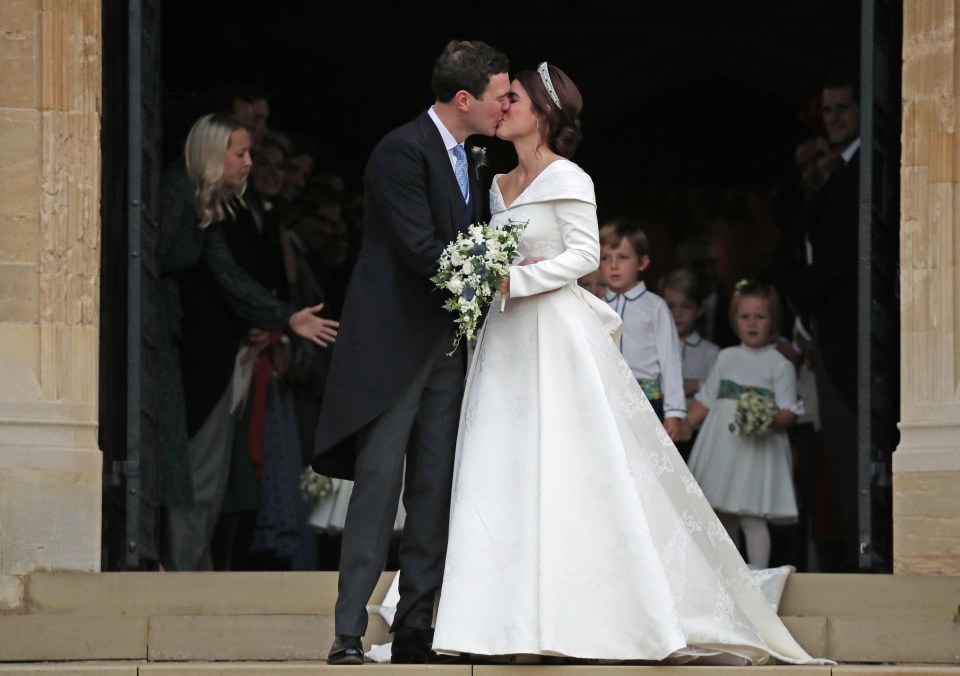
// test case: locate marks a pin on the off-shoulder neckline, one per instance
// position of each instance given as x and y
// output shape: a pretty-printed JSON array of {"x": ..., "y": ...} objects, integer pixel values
[{"x": 549, "y": 169}]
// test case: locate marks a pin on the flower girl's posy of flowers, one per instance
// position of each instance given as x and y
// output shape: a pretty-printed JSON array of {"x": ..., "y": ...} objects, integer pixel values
[
  {"x": 471, "y": 269},
  {"x": 315, "y": 486},
  {"x": 755, "y": 413}
]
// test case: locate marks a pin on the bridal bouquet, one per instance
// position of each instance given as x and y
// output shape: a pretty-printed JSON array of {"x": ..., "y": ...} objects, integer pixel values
[
  {"x": 754, "y": 414},
  {"x": 315, "y": 486},
  {"x": 472, "y": 267}
]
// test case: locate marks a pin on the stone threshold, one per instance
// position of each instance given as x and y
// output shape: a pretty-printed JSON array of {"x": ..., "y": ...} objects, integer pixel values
[{"x": 308, "y": 668}]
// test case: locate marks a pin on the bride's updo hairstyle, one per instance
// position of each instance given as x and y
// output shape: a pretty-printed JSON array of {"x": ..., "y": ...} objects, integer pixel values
[{"x": 557, "y": 103}]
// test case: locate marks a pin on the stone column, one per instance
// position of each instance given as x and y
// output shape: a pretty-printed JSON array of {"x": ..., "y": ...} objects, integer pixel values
[
  {"x": 926, "y": 465},
  {"x": 50, "y": 466}
]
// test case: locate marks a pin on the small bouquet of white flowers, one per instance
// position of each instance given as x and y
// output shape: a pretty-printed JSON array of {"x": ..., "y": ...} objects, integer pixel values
[
  {"x": 315, "y": 486},
  {"x": 755, "y": 413},
  {"x": 472, "y": 267}
]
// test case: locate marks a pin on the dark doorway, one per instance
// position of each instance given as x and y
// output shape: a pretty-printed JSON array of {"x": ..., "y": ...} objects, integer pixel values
[
  {"x": 692, "y": 113},
  {"x": 687, "y": 104}
]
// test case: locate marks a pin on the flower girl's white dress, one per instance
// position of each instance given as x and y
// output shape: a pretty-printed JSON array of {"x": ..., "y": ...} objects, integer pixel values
[
  {"x": 746, "y": 474},
  {"x": 576, "y": 528}
]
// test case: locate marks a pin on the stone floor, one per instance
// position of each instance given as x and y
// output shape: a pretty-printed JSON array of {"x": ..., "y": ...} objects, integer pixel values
[
  {"x": 264, "y": 623},
  {"x": 134, "y": 668}
]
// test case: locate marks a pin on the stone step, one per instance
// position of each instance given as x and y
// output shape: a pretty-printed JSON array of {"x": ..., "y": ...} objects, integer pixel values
[
  {"x": 805, "y": 594},
  {"x": 284, "y": 637},
  {"x": 26, "y": 638},
  {"x": 862, "y": 595},
  {"x": 161, "y": 638},
  {"x": 176, "y": 616},
  {"x": 185, "y": 593},
  {"x": 319, "y": 668},
  {"x": 284, "y": 617}
]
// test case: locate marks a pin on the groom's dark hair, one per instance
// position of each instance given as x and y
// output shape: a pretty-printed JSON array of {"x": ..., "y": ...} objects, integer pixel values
[{"x": 467, "y": 65}]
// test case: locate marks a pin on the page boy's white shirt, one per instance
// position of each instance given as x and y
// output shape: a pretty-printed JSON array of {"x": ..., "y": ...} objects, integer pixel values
[
  {"x": 697, "y": 356},
  {"x": 650, "y": 344}
]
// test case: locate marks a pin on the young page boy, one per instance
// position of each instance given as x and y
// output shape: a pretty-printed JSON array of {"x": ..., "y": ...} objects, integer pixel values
[
  {"x": 684, "y": 294},
  {"x": 649, "y": 341}
]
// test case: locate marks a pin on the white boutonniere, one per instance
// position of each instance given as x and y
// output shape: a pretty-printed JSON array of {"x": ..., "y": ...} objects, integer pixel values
[{"x": 479, "y": 154}]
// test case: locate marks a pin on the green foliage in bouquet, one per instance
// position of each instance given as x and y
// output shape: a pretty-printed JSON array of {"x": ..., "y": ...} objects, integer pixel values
[{"x": 471, "y": 269}]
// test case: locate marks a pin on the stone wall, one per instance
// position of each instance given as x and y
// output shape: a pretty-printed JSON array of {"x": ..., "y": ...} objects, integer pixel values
[
  {"x": 926, "y": 465},
  {"x": 50, "y": 466}
]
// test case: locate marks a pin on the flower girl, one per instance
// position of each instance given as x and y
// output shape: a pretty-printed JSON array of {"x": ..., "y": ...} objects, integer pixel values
[{"x": 741, "y": 457}]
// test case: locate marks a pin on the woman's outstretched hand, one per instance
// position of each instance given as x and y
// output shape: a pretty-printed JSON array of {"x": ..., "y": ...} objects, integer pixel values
[{"x": 307, "y": 324}]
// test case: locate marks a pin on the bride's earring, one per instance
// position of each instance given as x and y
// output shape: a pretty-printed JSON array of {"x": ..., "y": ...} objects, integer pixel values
[{"x": 538, "y": 124}]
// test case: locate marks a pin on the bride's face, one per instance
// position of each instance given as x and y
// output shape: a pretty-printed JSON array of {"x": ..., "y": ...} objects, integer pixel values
[{"x": 519, "y": 120}]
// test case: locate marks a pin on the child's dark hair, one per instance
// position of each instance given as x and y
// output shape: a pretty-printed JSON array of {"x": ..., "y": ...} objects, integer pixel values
[
  {"x": 755, "y": 289},
  {"x": 685, "y": 282},
  {"x": 612, "y": 233}
]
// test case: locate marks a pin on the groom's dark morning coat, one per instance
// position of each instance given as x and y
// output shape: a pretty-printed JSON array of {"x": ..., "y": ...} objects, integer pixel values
[{"x": 392, "y": 315}]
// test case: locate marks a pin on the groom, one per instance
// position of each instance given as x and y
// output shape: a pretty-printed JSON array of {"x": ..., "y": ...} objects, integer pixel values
[{"x": 392, "y": 402}]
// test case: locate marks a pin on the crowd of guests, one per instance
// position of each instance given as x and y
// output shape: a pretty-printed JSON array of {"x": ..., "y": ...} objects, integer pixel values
[
  {"x": 250, "y": 231},
  {"x": 253, "y": 299}
]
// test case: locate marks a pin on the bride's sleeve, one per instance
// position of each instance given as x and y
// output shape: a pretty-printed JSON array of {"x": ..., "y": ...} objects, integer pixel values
[{"x": 578, "y": 226}]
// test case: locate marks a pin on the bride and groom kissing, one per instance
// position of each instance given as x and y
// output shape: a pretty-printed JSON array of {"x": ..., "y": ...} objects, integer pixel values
[{"x": 541, "y": 491}]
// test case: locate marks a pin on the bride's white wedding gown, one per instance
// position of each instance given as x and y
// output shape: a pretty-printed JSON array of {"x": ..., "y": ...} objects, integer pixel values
[{"x": 576, "y": 528}]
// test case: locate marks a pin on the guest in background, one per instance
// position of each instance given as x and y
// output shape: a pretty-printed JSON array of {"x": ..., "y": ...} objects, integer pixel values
[
  {"x": 824, "y": 289},
  {"x": 649, "y": 340},
  {"x": 200, "y": 194},
  {"x": 698, "y": 254},
  {"x": 746, "y": 473},
  {"x": 683, "y": 294},
  {"x": 593, "y": 282},
  {"x": 298, "y": 166}
]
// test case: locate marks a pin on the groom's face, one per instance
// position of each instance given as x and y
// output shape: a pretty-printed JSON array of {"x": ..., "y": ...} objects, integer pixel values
[{"x": 487, "y": 111}]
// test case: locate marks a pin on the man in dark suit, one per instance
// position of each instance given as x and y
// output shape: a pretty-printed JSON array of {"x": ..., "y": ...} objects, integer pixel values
[
  {"x": 392, "y": 388},
  {"x": 825, "y": 293}
]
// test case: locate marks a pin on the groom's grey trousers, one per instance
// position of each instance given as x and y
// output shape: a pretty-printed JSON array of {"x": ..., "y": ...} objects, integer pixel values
[{"x": 421, "y": 428}]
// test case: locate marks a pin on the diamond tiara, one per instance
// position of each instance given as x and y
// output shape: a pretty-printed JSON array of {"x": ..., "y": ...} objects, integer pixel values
[{"x": 548, "y": 83}]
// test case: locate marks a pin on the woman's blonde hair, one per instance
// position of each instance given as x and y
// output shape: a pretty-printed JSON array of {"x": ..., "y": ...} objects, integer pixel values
[{"x": 204, "y": 151}]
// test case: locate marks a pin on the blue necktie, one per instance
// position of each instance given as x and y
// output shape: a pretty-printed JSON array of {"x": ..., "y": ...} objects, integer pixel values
[{"x": 460, "y": 169}]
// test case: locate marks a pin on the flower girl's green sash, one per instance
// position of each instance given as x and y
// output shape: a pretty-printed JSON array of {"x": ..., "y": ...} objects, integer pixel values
[
  {"x": 651, "y": 387},
  {"x": 732, "y": 390}
]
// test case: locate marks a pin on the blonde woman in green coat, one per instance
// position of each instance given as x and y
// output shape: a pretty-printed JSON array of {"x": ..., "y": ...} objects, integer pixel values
[{"x": 200, "y": 195}]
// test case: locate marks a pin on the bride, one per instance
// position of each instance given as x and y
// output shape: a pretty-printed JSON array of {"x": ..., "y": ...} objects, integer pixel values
[{"x": 576, "y": 529}]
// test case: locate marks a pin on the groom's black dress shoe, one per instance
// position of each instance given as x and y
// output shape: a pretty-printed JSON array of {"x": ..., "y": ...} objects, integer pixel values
[
  {"x": 415, "y": 646},
  {"x": 346, "y": 650},
  {"x": 411, "y": 646}
]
